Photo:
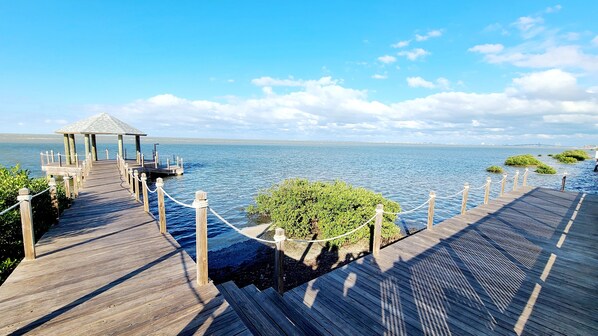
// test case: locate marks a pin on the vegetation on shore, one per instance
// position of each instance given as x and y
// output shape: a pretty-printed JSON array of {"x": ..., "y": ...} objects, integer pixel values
[
  {"x": 522, "y": 161},
  {"x": 323, "y": 210},
  {"x": 494, "y": 169},
  {"x": 44, "y": 215},
  {"x": 572, "y": 156},
  {"x": 545, "y": 169}
]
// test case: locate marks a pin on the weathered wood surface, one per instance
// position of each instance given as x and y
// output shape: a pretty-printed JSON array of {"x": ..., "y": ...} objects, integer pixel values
[
  {"x": 527, "y": 263},
  {"x": 106, "y": 269}
]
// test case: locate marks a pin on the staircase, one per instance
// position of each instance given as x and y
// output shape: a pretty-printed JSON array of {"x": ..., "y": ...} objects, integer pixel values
[{"x": 268, "y": 313}]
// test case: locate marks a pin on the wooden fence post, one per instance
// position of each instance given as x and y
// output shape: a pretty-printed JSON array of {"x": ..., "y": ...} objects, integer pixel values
[
  {"x": 201, "y": 236},
  {"x": 279, "y": 238},
  {"x": 156, "y": 159},
  {"x": 525, "y": 177},
  {"x": 142, "y": 160},
  {"x": 59, "y": 160},
  {"x": 27, "y": 223},
  {"x": 67, "y": 186},
  {"x": 487, "y": 190},
  {"x": 41, "y": 159},
  {"x": 181, "y": 162},
  {"x": 144, "y": 188},
  {"x": 52, "y": 155},
  {"x": 107, "y": 154},
  {"x": 502, "y": 184},
  {"x": 54, "y": 196},
  {"x": 75, "y": 187},
  {"x": 167, "y": 163},
  {"x": 376, "y": 239},
  {"x": 464, "y": 201},
  {"x": 515, "y": 179},
  {"x": 131, "y": 185},
  {"x": 431, "y": 210},
  {"x": 161, "y": 209},
  {"x": 136, "y": 184},
  {"x": 564, "y": 180}
]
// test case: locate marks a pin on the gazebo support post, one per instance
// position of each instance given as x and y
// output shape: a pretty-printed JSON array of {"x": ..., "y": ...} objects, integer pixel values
[
  {"x": 73, "y": 148},
  {"x": 86, "y": 139},
  {"x": 94, "y": 148},
  {"x": 137, "y": 148},
  {"x": 120, "y": 145},
  {"x": 67, "y": 151}
]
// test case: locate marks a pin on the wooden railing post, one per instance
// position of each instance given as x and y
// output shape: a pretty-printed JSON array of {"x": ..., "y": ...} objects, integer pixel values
[
  {"x": 156, "y": 159},
  {"x": 377, "y": 237},
  {"x": 502, "y": 184},
  {"x": 136, "y": 184},
  {"x": 67, "y": 186},
  {"x": 52, "y": 155},
  {"x": 59, "y": 160},
  {"x": 487, "y": 190},
  {"x": 525, "y": 177},
  {"x": 41, "y": 159},
  {"x": 161, "y": 209},
  {"x": 107, "y": 154},
  {"x": 27, "y": 223},
  {"x": 431, "y": 210},
  {"x": 464, "y": 201},
  {"x": 54, "y": 196},
  {"x": 144, "y": 188},
  {"x": 279, "y": 238},
  {"x": 515, "y": 180},
  {"x": 131, "y": 185},
  {"x": 564, "y": 180},
  {"x": 181, "y": 163},
  {"x": 75, "y": 187},
  {"x": 142, "y": 160},
  {"x": 201, "y": 236}
]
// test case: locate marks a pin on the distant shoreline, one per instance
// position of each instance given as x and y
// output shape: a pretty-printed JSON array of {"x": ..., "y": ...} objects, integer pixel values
[{"x": 57, "y": 138}]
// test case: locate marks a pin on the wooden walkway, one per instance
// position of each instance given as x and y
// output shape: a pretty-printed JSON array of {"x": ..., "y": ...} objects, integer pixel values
[
  {"x": 526, "y": 263},
  {"x": 106, "y": 270}
]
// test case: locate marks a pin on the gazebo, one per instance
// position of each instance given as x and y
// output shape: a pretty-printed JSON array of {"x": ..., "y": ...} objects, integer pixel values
[{"x": 104, "y": 124}]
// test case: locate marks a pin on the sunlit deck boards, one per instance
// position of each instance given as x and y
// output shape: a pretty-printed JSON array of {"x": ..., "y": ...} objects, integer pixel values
[
  {"x": 527, "y": 263},
  {"x": 106, "y": 269}
]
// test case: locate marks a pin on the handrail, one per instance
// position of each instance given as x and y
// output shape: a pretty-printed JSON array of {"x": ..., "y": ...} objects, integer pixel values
[{"x": 10, "y": 208}]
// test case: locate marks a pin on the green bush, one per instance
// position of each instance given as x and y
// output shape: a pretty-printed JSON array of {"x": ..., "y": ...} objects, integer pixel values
[
  {"x": 545, "y": 169},
  {"x": 494, "y": 169},
  {"x": 44, "y": 215},
  {"x": 522, "y": 161},
  {"x": 572, "y": 156},
  {"x": 324, "y": 209}
]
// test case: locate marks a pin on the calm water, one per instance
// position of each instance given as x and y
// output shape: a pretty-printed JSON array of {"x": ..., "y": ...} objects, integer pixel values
[{"x": 232, "y": 174}]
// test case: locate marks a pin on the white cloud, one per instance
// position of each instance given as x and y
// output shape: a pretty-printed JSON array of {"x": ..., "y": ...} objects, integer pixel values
[
  {"x": 487, "y": 48},
  {"x": 430, "y": 34},
  {"x": 529, "y": 26},
  {"x": 401, "y": 44},
  {"x": 553, "y": 9},
  {"x": 595, "y": 40},
  {"x": 567, "y": 56},
  {"x": 417, "y": 82},
  {"x": 387, "y": 59},
  {"x": 324, "y": 109},
  {"x": 269, "y": 81},
  {"x": 380, "y": 76},
  {"x": 414, "y": 54}
]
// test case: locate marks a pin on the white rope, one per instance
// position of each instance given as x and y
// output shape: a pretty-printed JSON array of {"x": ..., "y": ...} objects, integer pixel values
[
  {"x": 481, "y": 187},
  {"x": 149, "y": 190},
  {"x": 39, "y": 193},
  {"x": 410, "y": 211},
  {"x": 238, "y": 230},
  {"x": 177, "y": 202},
  {"x": 12, "y": 207},
  {"x": 451, "y": 196},
  {"x": 333, "y": 238}
]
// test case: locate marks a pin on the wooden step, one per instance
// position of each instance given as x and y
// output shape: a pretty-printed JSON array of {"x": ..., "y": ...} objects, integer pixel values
[
  {"x": 295, "y": 314},
  {"x": 271, "y": 310},
  {"x": 249, "y": 312}
]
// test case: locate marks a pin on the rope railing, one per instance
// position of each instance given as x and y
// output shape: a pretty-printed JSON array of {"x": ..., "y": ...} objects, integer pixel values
[
  {"x": 451, "y": 196},
  {"x": 333, "y": 238},
  {"x": 10, "y": 208},
  {"x": 41, "y": 192},
  {"x": 409, "y": 211},
  {"x": 239, "y": 230}
]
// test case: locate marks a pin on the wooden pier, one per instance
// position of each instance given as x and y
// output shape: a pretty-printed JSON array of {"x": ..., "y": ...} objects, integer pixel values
[{"x": 525, "y": 263}]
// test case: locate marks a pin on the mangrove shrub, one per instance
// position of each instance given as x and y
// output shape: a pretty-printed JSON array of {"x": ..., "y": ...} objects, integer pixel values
[
  {"x": 545, "y": 169},
  {"x": 494, "y": 169},
  {"x": 522, "y": 160},
  {"x": 572, "y": 156},
  {"x": 323, "y": 209}
]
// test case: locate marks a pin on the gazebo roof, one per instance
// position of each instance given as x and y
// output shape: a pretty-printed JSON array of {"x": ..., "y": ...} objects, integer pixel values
[{"x": 102, "y": 123}]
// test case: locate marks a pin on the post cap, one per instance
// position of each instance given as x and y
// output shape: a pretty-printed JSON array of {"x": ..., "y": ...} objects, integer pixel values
[
  {"x": 135, "y": 172},
  {"x": 379, "y": 208},
  {"x": 159, "y": 182},
  {"x": 66, "y": 177},
  {"x": 565, "y": 173},
  {"x": 52, "y": 182},
  {"x": 488, "y": 179},
  {"x": 466, "y": 185},
  {"x": 24, "y": 195},
  {"x": 432, "y": 194},
  {"x": 143, "y": 176},
  {"x": 279, "y": 235}
]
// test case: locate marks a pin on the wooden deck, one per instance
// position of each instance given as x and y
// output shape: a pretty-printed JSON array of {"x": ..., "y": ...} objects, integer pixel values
[
  {"x": 526, "y": 263},
  {"x": 106, "y": 269}
]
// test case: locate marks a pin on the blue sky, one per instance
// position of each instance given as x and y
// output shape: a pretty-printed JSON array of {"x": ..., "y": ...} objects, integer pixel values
[{"x": 466, "y": 72}]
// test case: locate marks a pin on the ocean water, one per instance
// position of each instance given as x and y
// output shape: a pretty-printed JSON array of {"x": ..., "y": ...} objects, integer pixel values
[{"x": 233, "y": 172}]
